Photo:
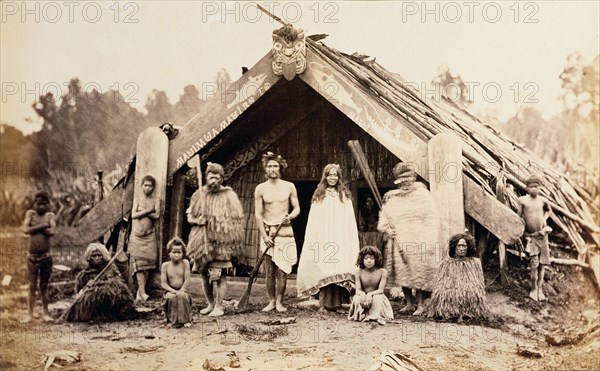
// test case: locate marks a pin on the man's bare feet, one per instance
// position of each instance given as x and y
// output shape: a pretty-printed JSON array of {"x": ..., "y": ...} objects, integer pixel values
[
  {"x": 189, "y": 324},
  {"x": 541, "y": 296},
  {"x": 322, "y": 310},
  {"x": 141, "y": 297},
  {"x": 217, "y": 312},
  {"x": 27, "y": 319},
  {"x": 407, "y": 309},
  {"x": 207, "y": 310},
  {"x": 47, "y": 318},
  {"x": 280, "y": 308},
  {"x": 269, "y": 307},
  {"x": 533, "y": 295},
  {"x": 419, "y": 311}
]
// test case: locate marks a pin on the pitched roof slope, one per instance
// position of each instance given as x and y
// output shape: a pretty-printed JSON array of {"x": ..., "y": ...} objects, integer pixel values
[{"x": 496, "y": 163}]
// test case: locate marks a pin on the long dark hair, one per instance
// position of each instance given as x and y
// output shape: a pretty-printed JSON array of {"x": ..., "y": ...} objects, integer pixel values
[
  {"x": 470, "y": 240},
  {"x": 369, "y": 250},
  {"x": 339, "y": 187}
]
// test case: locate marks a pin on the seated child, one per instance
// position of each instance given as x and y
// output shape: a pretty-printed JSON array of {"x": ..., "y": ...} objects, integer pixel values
[
  {"x": 370, "y": 303},
  {"x": 459, "y": 289},
  {"x": 175, "y": 278},
  {"x": 103, "y": 298}
]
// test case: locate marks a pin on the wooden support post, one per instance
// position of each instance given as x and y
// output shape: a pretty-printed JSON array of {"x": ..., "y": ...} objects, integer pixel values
[
  {"x": 177, "y": 210},
  {"x": 446, "y": 185},
  {"x": 503, "y": 265}
]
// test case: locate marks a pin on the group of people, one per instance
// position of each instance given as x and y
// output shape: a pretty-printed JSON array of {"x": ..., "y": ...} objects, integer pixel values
[{"x": 332, "y": 266}]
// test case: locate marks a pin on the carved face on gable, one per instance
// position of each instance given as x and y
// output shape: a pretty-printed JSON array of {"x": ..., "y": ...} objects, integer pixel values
[{"x": 289, "y": 57}]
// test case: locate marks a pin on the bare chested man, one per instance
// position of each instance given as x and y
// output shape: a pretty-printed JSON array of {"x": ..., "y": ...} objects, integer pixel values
[
  {"x": 535, "y": 210},
  {"x": 272, "y": 201}
]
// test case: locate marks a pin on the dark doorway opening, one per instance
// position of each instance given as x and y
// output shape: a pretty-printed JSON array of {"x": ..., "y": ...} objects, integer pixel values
[{"x": 305, "y": 191}]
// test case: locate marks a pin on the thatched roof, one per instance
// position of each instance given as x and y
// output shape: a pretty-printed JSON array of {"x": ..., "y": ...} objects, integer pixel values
[{"x": 499, "y": 165}]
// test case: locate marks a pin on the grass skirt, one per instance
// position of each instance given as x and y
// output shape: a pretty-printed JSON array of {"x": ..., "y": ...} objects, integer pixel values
[{"x": 459, "y": 290}]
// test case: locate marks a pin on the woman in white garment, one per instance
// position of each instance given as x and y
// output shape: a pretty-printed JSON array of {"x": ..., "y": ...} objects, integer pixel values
[{"x": 331, "y": 243}]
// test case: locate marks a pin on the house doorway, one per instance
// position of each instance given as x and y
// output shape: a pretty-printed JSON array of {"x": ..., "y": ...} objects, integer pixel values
[{"x": 305, "y": 189}]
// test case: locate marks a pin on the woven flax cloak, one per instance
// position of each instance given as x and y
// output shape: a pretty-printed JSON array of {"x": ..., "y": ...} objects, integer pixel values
[
  {"x": 222, "y": 235},
  {"x": 416, "y": 222}
]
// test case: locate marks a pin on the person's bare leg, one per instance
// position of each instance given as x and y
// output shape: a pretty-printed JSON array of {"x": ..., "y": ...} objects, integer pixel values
[
  {"x": 141, "y": 280},
  {"x": 534, "y": 283},
  {"x": 420, "y": 307},
  {"x": 281, "y": 285},
  {"x": 221, "y": 292},
  {"x": 541, "y": 272},
  {"x": 30, "y": 301},
  {"x": 270, "y": 278},
  {"x": 410, "y": 304},
  {"x": 322, "y": 301},
  {"x": 44, "y": 296},
  {"x": 208, "y": 294}
]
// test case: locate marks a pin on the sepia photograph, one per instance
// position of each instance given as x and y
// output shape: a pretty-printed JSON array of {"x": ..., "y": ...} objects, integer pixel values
[{"x": 300, "y": 185}]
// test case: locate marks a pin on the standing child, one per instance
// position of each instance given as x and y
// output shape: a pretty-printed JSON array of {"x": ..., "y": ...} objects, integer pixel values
[
  {"x": 143, "y": 242},
  {"x": 459, "y": 289},
  {"x": 39, "y": 223},
  {"x": 369, "y": 302},
  {"x": 535, "y": 210},
  {"x": 174, "y": 278}
]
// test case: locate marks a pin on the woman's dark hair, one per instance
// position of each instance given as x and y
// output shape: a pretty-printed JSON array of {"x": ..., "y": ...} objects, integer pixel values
[
  {"x": 369, "y": 250},
  {"x": 342, "y": 190},
  {"x": 470, "y": 240}
]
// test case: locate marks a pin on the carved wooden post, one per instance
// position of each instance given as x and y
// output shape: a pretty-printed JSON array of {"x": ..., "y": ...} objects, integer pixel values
[
  {"x": 446, "y": 185},
  {"x": 177, "y": 211}
]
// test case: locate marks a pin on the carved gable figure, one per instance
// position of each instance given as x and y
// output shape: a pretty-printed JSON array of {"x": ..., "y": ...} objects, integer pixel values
[{"x": 289, "y": 52}]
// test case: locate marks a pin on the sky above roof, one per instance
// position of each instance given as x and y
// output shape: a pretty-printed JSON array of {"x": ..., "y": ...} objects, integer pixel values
[{"x": 511, "y": 53}]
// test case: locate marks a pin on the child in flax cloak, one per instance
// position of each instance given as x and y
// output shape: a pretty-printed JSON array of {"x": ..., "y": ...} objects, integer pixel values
[
  {"x": 459, "y": 289},
  {"x": 104, "y": 298},
  {"x": 143, "y": 242},
  {"x": 330, "y": 243},
  {"x": 215, "y": 214},
  {"x": 370, "y": 303},
  {"x": 174, "y": 279}
]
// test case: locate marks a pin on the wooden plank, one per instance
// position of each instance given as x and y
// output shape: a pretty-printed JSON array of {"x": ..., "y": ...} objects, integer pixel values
[
  {"x": 220, "y": 111},
  {"x": 177, "y": 207},
  {"x": 389, "y": 129},
  {"x": 445, "y": 152},
  {"x": 152, "y": 150},
  {"x": 102, "y": 217}
]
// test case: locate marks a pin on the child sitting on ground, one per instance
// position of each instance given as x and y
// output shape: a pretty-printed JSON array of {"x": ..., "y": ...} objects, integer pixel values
[
  {"x": 175, "y": 278},
  {"x": 369, "y": 302},
  {"x": 40, "y": 224},
  {"x": 459, "y": 289}
]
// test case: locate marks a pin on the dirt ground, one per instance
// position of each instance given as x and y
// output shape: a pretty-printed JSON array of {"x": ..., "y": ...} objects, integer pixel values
[{"x": 519, "y": 335}]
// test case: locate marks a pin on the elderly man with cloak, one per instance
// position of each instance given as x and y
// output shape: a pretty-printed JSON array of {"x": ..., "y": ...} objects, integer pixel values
[{"x": 216, "y": 215}]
